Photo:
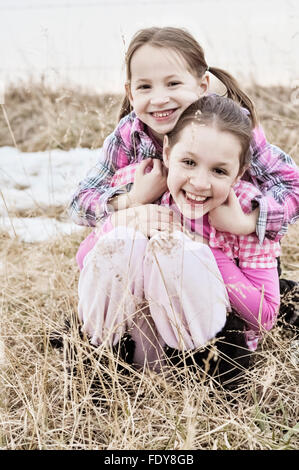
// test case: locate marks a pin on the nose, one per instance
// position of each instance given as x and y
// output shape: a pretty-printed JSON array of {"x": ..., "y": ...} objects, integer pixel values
[
  {"x": 159, "y": 99},
  {"x": 200, "y": 180}
]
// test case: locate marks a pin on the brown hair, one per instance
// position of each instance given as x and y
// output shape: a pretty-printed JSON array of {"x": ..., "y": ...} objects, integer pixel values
[
  {"x": 223, "y": 113},
  {"x": 186, "y": 45}
]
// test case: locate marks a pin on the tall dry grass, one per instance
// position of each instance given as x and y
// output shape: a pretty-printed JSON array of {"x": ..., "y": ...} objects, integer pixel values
[
  {"x": 46, "y": 400},
  {"x": 42, "y": 117}
]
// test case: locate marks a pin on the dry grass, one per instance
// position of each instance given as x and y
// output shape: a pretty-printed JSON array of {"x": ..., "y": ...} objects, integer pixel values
[
  {"x": 45, "y": 406},
  {"x": 44, "y": 118}
]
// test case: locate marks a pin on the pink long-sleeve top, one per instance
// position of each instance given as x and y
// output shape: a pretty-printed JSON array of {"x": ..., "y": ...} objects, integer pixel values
[
  {"x": 272, "y": 171},
  {"x": 252, "y": 256}
]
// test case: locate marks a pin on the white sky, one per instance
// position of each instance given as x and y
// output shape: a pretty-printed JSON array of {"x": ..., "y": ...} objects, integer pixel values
[{"x": 83, "y": 41}]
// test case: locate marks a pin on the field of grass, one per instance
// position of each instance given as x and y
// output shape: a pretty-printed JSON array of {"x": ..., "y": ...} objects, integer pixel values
[{"x": 46, "y": 398}]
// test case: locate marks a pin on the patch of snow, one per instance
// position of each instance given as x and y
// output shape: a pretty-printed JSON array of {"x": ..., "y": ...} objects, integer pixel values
[
  {"x": 37, "y": 229},
  {"x": 40, "y": 179}
]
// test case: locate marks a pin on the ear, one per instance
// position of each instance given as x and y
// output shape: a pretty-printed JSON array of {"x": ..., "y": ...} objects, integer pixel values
[
  {"x": 240, "y": 175},
  {"x": 129, "y": 93},
  {"x": 204, "y": 84},
  {"x": 166, "y": 151}
]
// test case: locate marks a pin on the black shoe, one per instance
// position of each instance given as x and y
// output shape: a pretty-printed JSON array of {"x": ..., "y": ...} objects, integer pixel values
[
  {"x": 289, "y": 302},
  {"x": 234, "y": 356},
  {"x": 124, "y": 349},
  {"x": 123, "y": 352},
  {"x": 230, "y": 350},
  {"x": 57, "y": 337}
]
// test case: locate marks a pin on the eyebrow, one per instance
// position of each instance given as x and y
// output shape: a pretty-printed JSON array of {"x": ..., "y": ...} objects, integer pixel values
[
  {"x": 174, "y": 75},
  {"x": 169, "y": 77},
  {"x": 193, "y": 155},
  {"x": 226, "y": 164},
  {"x": 142, "y": 80}
]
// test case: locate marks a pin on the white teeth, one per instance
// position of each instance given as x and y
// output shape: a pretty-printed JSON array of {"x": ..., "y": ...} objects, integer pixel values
[
  {"x": 162, "y": 114},
  {"x": 195, "y": 198}
]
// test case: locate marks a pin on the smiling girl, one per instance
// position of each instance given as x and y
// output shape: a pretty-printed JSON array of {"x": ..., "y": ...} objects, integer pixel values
[
  {"x": 166, "y": 72},
  {"x": 165, "y": 289},
  {"x": 206, "y": 155}
]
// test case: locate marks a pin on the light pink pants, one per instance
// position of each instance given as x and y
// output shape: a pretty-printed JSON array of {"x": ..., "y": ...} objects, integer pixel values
[{"x": 164, "y": 291}]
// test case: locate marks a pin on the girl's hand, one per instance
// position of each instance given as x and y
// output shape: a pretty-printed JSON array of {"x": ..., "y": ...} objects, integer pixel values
[
  {"x": 147, "y": 219},
  {"x": 229, "y": 217},
  {"x": 148, "y": 185}
]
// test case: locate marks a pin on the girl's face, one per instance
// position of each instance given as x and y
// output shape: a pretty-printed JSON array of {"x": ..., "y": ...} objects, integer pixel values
[
  {"x": 161, "y": 87},
  {"x": 202, "y": 167}
]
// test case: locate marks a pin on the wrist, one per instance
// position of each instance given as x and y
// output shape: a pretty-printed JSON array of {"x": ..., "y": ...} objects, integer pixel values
[
  {"x": 133, "y": 200},
  {"x": 123, "y": 217},
  {"x": 120, "y": 202},
  {"x": 250, "y": 221}
]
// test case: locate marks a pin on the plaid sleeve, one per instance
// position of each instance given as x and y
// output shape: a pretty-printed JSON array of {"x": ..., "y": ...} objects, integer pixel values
[
  {"x": 246, "y": 193},
  {"x": 124, "y": 176},
  {"x": 277, "y": 176},
  {"x": 89, "y": 204}
]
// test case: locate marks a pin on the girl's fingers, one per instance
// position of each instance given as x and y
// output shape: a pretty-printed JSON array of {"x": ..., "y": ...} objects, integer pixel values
[
  {"x": 164, "y": 216},
  {"x": 166, "y": 228},
  {"x": 164, "y": 170},
  {"x": 154, "y": 210},
  {"x": 231, "y": 196},
  {"x": 165, "y": 225},
  {"x": 153, "y": 216},
  {"x": 157, "y": 165},
  {"x": 143, "y": 165}
]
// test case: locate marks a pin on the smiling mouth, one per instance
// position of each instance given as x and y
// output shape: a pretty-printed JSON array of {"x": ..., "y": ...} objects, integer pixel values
[
  {"x": 163, "y": 114},
  {"x": 195, "y": 199}
]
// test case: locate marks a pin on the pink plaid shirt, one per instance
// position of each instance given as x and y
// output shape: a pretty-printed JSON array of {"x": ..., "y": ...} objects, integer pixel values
[
  {"x": 271, "y": 170},
  {"x": 246, "y": 248}
]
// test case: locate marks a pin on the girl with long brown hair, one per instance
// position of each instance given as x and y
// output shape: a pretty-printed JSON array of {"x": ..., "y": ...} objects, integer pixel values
[
  {"x": 163, "y": 288},
  {"x": 167, "y": 71}
]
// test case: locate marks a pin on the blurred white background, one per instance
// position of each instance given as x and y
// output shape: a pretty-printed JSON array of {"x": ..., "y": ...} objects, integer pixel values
[{"x": 83, "y": 42}]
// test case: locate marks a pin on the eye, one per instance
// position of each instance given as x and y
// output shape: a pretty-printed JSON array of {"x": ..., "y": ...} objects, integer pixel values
[
  {"x": 143, "y": 87},
  {"x": 189, "y": 162},
  {"x": 220, "y": 171},
  {"x": 174, "y": 83}
]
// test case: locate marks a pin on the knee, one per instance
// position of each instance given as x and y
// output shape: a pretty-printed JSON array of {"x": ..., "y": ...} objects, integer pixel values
[
  {"x": 127, "y": 234},
  {"x": 121, "y": 244},
  {"x": 164, "y": 243},
  {"x": 269, "y": 315},
  {"x": 180, "y": 250}
]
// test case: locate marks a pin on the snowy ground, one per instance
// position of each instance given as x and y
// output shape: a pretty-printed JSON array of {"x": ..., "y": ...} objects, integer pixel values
[{"x": 35, "y": 181}]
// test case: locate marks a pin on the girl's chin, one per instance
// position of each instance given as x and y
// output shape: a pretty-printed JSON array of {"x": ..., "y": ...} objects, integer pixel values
[
  {"x": 192, "y": 211},
  {"x": 194, "y": 214}
]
